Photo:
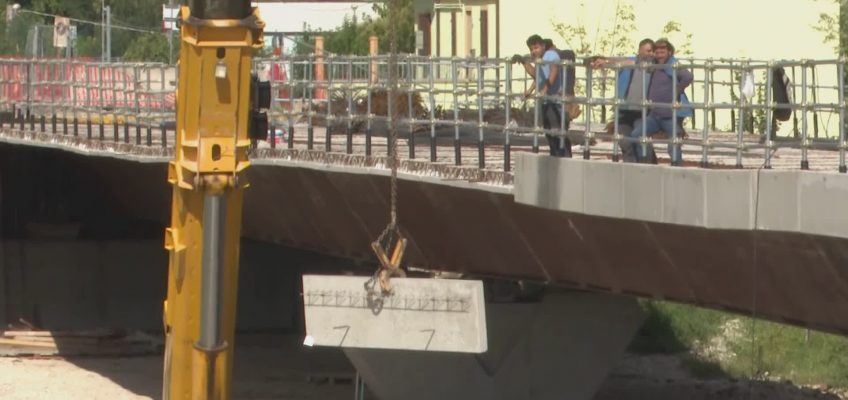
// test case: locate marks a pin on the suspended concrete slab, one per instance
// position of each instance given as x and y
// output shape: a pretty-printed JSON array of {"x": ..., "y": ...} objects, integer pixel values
[{"x": 434, "y": 315}]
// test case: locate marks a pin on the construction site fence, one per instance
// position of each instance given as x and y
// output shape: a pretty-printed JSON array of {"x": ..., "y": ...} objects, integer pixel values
[{"x": 490, "y": 97}]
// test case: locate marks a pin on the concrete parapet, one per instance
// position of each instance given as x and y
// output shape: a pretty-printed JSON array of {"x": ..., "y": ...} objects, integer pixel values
[{"x": 789, "y": 201}]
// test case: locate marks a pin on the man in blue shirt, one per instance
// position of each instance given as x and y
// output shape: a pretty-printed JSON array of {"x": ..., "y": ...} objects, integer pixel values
[
  {"x": 629, "y": 88},
  {"x": 549, "y": 85}
]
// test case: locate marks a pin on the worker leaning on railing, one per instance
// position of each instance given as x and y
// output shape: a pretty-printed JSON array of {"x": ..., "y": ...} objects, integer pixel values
[{"x": 632, "y": 87}]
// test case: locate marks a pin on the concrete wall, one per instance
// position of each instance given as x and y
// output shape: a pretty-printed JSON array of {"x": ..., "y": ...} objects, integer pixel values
[
  {"x": 121, "y": 284},
  {"x": 769, "y": 200}
]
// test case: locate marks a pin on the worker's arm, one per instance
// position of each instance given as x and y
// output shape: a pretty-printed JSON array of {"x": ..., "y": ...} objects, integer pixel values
[
  {"x": 530, "y": 68},
  {"x": 602, "y": 62},
  {"x": 684, "y": 79}
]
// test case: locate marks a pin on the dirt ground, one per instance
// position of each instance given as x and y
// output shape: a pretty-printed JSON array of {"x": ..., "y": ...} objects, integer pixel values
[{"x": 280, "y": 368}]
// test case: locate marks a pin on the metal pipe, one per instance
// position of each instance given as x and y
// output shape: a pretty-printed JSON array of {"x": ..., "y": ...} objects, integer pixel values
[
  {"x": 562, "y": 112},
  {"x": 692, "y": 96},
  {"x": 212, "y": 269},
  {"x": 370, "y": 117},
  {"x": 733, "y": 94},
  {"x": 707, "y": 122},
  {"x": 672, "y": 143},
  {"x": 100, "y": 97},
  {"x": 481, "y": 152},
  {"x": 88, "y": 100},
  {"x": 805, "y": 163},
  {"x": 290, "y": 84},
  {"x": 588, "y": 132},
  {"x": 410, "y": 117},
  {"x": 615, "y": 120},
  {"x": 310, "y": 138},
  {"x": 644, "y": 139},
  {"x": 349, "y": 95},
  {"x": 794, "y": 114},
  {"x": 507, "y": 121},
  {"x": 537, "y": 107},
  {"x": 211, "y": 282},
  {"x": 712, "y": 95},
  {"x": 432, "y": 112},
  {"x": 456, "y": 142},
  {"x": 329, "y": 119},
  {"x": 815, "y": 114},
  {"x": 841, "y": 76},
  {"x": 769, "y": 118}
]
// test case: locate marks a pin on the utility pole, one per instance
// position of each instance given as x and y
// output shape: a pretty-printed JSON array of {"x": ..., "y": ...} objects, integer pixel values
[
  {"x": 102, "y": 30},
  {"x": 108, "y": 34},
  {"x": 105, "y": 32},
  {"x": 170, "y": 35}
]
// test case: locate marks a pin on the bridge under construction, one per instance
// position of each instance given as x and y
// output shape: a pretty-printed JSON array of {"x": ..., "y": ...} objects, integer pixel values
[{"x": 749, "y": 222}]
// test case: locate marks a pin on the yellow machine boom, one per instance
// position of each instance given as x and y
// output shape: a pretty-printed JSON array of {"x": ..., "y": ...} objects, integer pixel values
[{"x": 216, "y": 112}]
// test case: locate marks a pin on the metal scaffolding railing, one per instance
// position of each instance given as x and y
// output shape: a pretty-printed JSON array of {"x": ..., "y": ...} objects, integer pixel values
[{"x": 462, "y": 111}]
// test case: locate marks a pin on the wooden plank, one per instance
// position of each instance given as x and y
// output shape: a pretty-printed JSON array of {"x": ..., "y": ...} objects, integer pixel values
[
  {"x": 89, "y": 334},
  {"x": 26, "y": 343}
]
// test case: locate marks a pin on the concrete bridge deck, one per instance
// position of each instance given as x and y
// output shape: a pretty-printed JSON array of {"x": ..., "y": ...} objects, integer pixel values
[{"x": 768, "y": 243}]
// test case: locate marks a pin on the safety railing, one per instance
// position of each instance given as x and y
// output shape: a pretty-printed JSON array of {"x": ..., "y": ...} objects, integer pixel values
[{"x": 468, "y": 111}]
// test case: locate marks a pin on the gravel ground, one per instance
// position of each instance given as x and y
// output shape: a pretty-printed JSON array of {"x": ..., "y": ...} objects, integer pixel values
[{"x": 277, "y": 368}]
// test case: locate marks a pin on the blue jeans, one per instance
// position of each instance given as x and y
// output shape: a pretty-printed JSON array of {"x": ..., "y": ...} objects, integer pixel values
[{"x": 654, "y": 125}]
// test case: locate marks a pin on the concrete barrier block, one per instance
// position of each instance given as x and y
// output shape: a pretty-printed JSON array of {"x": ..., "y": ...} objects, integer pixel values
[
  {"x": 602, "y": 185},
  {"x": 527, "y": 178},
  {"x": 730, "y": 199},
  {"x": 643, "y": 192},
  {"x": 683, "y": 196},
  {"x": 549, "y": 182},
  {"x": 823, "y": 198},
  {"x": 777, "y": 201}
]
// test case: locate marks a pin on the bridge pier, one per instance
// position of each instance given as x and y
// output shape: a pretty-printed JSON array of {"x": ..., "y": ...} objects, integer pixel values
[{"x": 558, "y": 348}]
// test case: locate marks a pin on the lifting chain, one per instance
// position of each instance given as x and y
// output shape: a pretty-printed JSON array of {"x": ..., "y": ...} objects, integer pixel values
[{"x": 391, "y": 244}]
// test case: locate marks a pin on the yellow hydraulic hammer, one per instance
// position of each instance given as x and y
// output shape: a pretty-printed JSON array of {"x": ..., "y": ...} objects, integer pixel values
[{"x": 218, "y": 103}]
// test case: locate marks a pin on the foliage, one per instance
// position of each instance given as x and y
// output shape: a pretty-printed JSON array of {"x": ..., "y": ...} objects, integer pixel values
[
  {"x": 148, "y": 47},
  {"x": 617, "y": 40},
  {"x": 673, "y": 31},
  {"x": 717, "y": 344},
  {"x": 828, "y": 25},
  {"x": 352, "y": 36},
  {"x": 141, "y": 15},
  {"x": 613, "y": 40}
]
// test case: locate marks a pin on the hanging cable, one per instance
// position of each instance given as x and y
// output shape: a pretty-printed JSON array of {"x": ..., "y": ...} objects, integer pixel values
[{"x": 390, "y": 245}]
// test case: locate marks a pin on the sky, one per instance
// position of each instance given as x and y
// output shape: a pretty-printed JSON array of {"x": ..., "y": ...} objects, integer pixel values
[{"x": 758, "y": 29}]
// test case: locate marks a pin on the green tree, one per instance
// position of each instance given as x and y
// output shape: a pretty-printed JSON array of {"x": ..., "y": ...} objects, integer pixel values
[
  {"x": 352, "y": 36},
  {"x": 673, "y": 31},
  {"x": 828, "y": 25},
  {"x": 617, "y": 40},
  {"x": 142, "y": 42},
  {"x": 843, "y": 28},
  {"x": 148, "y": 47}
]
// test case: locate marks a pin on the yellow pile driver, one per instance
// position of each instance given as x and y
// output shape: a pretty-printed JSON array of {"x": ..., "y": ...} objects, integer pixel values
[{"x": 219, "y": 112}]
